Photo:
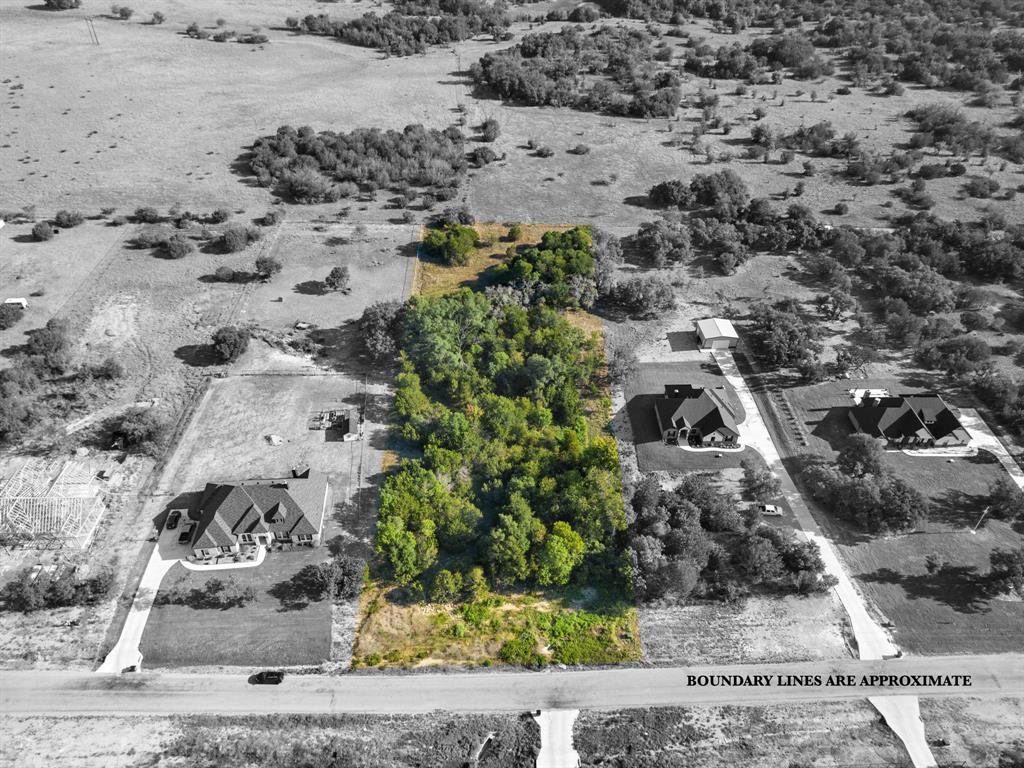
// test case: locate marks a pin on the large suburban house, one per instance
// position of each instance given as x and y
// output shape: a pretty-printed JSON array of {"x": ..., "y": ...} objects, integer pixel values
[
  {"x": 234, "y": 517},
  {"x": 717, "y": 333},
  {"x": 697, "y": 416},
  {"x": 909, "y": 420}
]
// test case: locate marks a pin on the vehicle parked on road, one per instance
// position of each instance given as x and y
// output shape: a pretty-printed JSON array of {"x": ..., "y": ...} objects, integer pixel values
[{"x": 268, "y": 677}]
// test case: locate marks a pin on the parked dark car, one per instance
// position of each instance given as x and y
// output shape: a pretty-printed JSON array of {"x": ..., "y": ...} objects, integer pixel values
[
  {"x": 185, "y": 535},
  {"x": 172, "y": 519},
  {"x": 268, "y": 677}
]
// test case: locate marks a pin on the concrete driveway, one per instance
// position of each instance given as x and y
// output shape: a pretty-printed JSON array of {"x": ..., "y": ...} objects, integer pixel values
[
  {"x": 983, "y": 437},
  {"x": 901, "y": 713}
]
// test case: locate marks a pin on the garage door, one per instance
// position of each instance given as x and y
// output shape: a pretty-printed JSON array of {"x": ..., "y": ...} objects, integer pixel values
[{"x": 720, "y": 343}]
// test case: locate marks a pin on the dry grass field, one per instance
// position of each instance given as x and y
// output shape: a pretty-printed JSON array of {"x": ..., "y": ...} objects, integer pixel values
[
  {"x": 362, "y": 741},
  {"x": 172, "y": 123}
]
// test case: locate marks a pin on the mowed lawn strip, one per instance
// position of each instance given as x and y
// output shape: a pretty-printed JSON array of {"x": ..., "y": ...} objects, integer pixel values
[{"x": 283, "y": 627}]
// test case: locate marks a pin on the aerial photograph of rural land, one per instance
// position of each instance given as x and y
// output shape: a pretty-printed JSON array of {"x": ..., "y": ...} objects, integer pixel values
[{"x": 512, "y": 384}]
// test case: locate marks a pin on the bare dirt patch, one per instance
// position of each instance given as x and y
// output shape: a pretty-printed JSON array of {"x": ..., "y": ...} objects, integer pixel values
[{"x": 758, "y": 629}]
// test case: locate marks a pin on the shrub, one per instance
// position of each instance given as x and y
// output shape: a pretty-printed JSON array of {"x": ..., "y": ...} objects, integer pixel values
[
  {"x": 143, "y": 430},
  {"x": 545, "y": 151},
  {"x": 219, "y": 216},
  {"x": 489, "y": 130},
  {"x": 147, "y": 215},
  {"x": 338, "y": 279},
  {"x": 68, "y": 219},
  {"x": 177, "y": 246},
  {"x": 122, "y": 12},
  {"x": 272, "y": 217},
  {"x": 42, "y": 231},
  {"x": 224, "y": 274},
  {"x": 580, "y": 149},
  {"x": 63, "y": 5},
  {"x": 841, "y": 209},
  {"x": 291, "y": 22},
  {"x": 267, "y": 266},
  {"x": 515, "y": 231},
  {"x": 111, "y": 368},
  {"x": 10, "y": 314},
  {"x": 235, "y": 239},
  {"x": 159, "y": 18},
  {"x": 230, "y": 342}
]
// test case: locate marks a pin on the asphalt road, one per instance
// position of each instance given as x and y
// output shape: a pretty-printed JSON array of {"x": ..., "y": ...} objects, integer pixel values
[{"x": 169, "y": 693}]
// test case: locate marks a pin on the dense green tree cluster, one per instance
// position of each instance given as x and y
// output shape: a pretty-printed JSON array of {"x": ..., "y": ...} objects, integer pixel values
[
  {"x": 693, "y": 540},
  {"x": 509, "y": 480},
  {"x": 26, "y": 594},
  {"x": 415, "y": 25},
  {"x": 550, "y": 68},
  {"x": 560, "y": 269},
  {"x": 312, "y": 167},
  {"x": 860, "y": 488},
  {"x": 783, "y": 335}
]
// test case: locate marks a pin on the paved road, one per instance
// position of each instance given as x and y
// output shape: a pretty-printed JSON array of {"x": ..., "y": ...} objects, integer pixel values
[{"x": 151, "y": 693}]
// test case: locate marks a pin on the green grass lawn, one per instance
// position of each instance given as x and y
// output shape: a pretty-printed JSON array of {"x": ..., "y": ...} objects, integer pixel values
[{"x": 283, "y": 627}]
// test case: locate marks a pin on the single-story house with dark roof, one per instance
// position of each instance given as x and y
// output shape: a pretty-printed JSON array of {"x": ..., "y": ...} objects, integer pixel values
[
  {"x": 910, "y": 420},
  {"x": 252, "y": 513},
  {"x": 696, "y": 416}
]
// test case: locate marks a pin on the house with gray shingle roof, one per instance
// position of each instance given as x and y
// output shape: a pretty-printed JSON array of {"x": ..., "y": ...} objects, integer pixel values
[
  {"x": 697, "y": 416},
  {"x": 922, "y": 420},
  {"x": 232, "y": 517}
]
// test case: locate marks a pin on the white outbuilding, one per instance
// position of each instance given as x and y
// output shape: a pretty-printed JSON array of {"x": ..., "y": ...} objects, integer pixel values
[{"x": 717, "y": 333}]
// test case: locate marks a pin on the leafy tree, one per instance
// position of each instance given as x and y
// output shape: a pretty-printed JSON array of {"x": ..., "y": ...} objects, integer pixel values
[
  {"x": 63, "y": 5},
  {"x": 644, "y": 296},
  {"x": 338, "y": 279},
  {"x": 452, "y": 243},
  {"x": 784, "y": 336},
  {"x": 489, "y": 130},
  {"x": 10, "y": 314},
  {"x": 517, "y": 532},
  {"x": 144, "y": 429},
  {"x": 760, "y": 483},
  {"x": 560, "y": 553},
  {"x": 230, "y": 342},
  {"x": 267, "y": 266},
  {"x": 158, "y": 17},
  {"x": 52, "y": 344},
  {"x": 380, "y": 328},
  {"x": 1007, "y": 568},
  {"x": 661, "y": 242},
  {"x": 1006, "y": 501},
  {"x": 447, "y": 587}
]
